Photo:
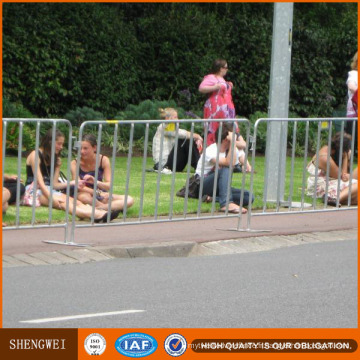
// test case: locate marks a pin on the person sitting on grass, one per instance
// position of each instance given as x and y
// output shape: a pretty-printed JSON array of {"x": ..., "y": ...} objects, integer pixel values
[
  {"x": 9, "y": 192},
  {"x": 225, "y": 150},
  {"x": 168, "y": 150},
  {"x": 44, "y": 175},
  {"x": 87, "y": 174},
  {"x": 332, "y": 184},
  {"x": 5, "y": 202}
]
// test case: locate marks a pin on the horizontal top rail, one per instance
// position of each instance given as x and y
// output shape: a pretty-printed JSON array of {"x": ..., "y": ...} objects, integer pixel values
[
  {"x": 35, "y": 119},
  {"x": 157, "y": 121},
  {"x": 307, "y": 119}
]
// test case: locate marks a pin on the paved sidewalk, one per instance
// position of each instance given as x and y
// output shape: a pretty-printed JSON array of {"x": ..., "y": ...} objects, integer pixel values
[{"x": 184, "y": 238}]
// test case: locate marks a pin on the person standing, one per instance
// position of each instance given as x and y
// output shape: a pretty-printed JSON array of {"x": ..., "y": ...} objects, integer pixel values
[
  {"x": 351, "y": 108},
  {"x": 219, "y": 103},
  {"x": 352, "y": 85}
]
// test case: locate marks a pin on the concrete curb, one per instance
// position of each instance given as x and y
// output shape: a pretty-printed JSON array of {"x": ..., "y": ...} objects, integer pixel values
[{"x": 171, "y": 249}]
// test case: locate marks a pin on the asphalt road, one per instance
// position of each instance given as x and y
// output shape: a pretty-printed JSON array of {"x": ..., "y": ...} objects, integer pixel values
[{"x": 308, "y": 286}]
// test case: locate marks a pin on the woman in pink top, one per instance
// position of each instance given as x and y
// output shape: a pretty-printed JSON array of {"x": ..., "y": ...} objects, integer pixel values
[{"x": 219, "y": 104}]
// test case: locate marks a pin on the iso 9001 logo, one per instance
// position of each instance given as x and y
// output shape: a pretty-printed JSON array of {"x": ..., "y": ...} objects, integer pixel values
[
  {"x": 95, "y": 344},
  {"x": 175, "y": 345}
]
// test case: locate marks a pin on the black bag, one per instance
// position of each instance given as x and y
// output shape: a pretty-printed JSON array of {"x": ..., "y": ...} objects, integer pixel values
[
  {"x": 63, "y": 179},
  {"x": 194, "y": 184}
]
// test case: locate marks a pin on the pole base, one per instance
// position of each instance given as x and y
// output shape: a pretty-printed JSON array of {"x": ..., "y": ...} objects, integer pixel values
[
  {"x": 246, "y": 230},
  {"x": 297, "y": 205},
  {"x": 66, "y": 243}
]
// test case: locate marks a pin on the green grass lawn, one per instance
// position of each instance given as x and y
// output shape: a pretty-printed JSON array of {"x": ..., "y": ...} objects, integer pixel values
[{"x": 150, "y": 189}]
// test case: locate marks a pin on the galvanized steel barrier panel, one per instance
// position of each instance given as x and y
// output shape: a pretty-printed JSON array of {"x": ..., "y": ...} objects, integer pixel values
[
  {"x": 324, "y": 132},
  {"x": 21, "y": 125},
  {"x": 119, "y": 126}
]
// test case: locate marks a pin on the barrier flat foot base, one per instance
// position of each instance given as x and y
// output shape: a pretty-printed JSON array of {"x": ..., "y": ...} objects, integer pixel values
[
  {"x": 246, "y": 230},
  {"x": 66, "y": 243}
]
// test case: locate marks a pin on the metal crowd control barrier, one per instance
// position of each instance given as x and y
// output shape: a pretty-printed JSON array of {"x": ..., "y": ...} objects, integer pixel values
[
  {"x": 156, "y": 191},
  {"x": 142, "y": 195},
  {"x": 34, "y": 127},
  {"x": 324, "y": 134}
]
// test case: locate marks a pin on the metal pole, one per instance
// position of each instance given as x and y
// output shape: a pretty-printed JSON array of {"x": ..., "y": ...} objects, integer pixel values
[{"x": 279, "y": 100}]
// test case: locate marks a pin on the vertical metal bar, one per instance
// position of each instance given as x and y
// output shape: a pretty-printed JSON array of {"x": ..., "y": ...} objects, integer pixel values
[
  {"x": 351, "y": 162},
  {"x": 252, "y": 174},
  {"x": 77, "y": 171},
  {"x": 233, "y": 152},
  {"x": 317, "y": 162},
  {"x": 128, "y": 168},
  {"x": 243, "y": 176},
  {"x": 214, "y": 193},
  {"x": 174, "y": 171},
  {"x": 188, "y": 171},
  {"x": 281, "y": 165},
  {"x": 291, "y": 188},
  {"x": 52, "y": 167},
  {"x": 111, "y": 190},
  {"x": 97, "y": 163},
  {"x": 159, "y": 170},
  {"x": 340, "y": 163},
  {"x": 267, "y": 166},
  {"x": 4, "y": 130},
  {"x": 36, "y": 167},
  {"x": 143, "y": 170},
  {"x": 20, "y": 142},
  {"x": 305, "y": 164},
  {"x": 328, "y": 165},
  {"x": 68, "y": 175},
  {"x": 202, "y": 172},
  {"x": 17, "y": 187}
]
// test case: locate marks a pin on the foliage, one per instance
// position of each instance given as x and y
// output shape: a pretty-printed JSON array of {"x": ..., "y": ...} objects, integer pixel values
[
  {"x": 261, "y": 131},
  {"x": 39, "y": 55},
  {"x": 79, "y": 115},
  {"x": 107, "y": 139},
  {"x": 322, "y": 48},
  {"x": 12, "y": 137},
  {"x": 328, "y": 39},
  {"x": 301, "y": 135},
  {"x": 250, "y": 36},
  {"x": 17, "y": 110},
  {"x": 60, "y": 56},
  {"x": 146, "y": 110},
  {"x": 52, "y": 49}
]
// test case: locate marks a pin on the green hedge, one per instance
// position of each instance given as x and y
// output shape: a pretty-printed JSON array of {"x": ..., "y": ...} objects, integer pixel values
[{"x": 60, "y": 56}]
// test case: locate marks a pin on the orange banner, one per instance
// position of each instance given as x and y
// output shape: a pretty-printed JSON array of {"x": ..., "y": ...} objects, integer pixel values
[{"x": 221, "y": 343}]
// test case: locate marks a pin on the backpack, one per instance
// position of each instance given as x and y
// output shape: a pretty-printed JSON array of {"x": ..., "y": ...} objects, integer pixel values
[{"x": 194, "y": 184}]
